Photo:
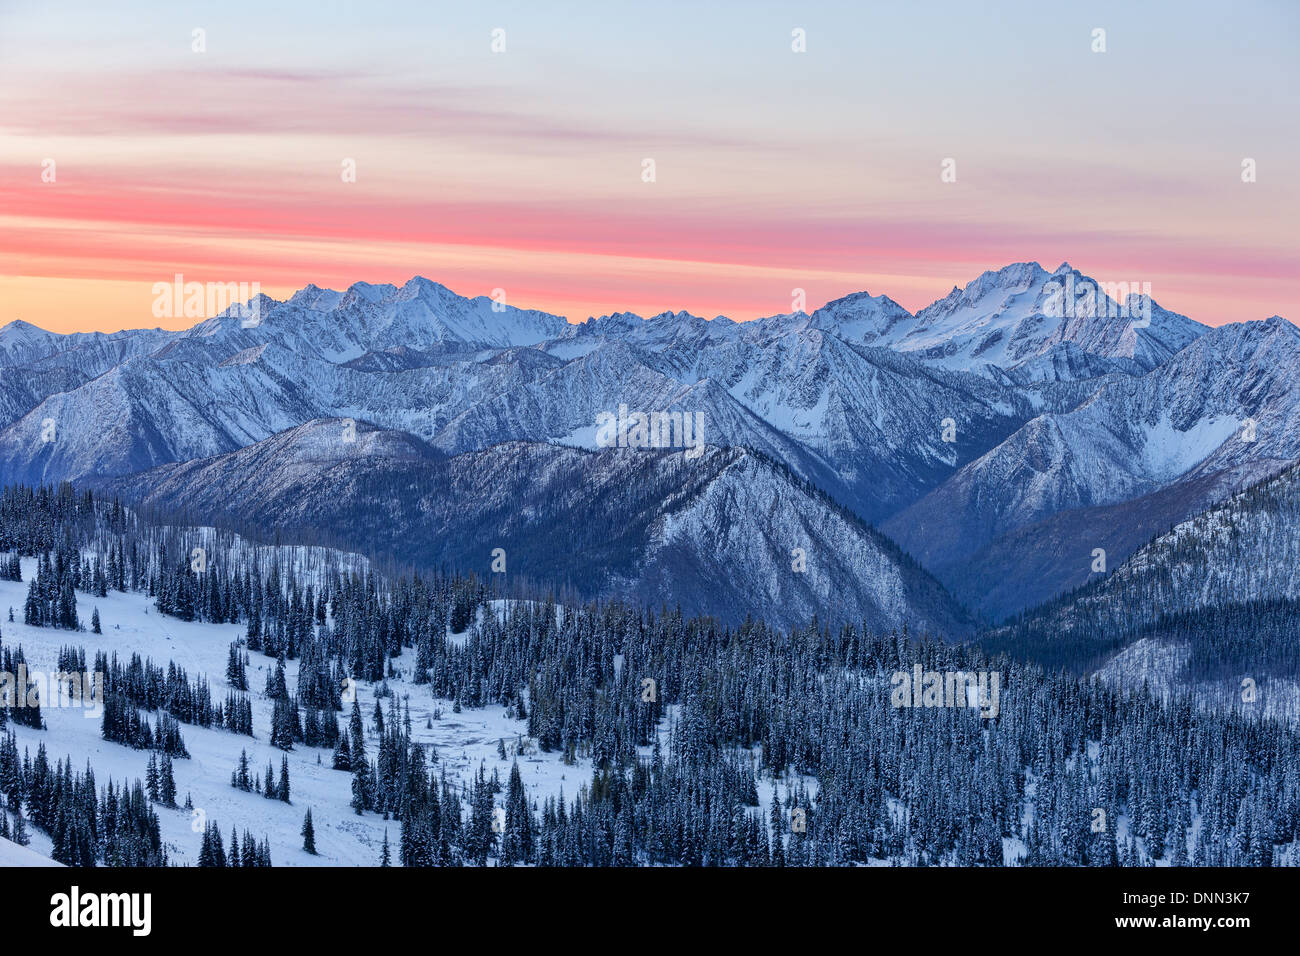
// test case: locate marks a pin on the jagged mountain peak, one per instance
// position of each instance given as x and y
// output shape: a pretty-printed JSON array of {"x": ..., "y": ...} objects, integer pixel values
[
  {"x": 864, "y": 318},
  {"x": 312, "y": 296},
  {"x": 633, "y": 322},
  {"x": 418, "y": 287},
  {"x": 341, "y": 327},
  {"x": 237, "y": 316},
  {"x": 368, "y": 292},
  {"x": 1243, "y": 340},
  {"x": 608, "y": 323},
  {"x": 1015, "y": 275},
  {"x": 1016, "y": 278},
  {"x": 21, "y": 327},
  {"x": 1021, "y": 312},
  {"x": 681, "y": 316}
]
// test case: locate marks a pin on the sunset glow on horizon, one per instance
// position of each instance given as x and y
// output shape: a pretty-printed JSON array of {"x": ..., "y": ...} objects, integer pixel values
[{"x": 127, "y": 156}]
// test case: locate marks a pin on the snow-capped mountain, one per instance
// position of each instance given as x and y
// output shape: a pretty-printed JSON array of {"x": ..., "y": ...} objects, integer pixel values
[
  {"x": 991, "y": 433},
  {"x": 864, "y": 424},
  {"x": 371, "y": 318},
  {"x": 729, "y": 533},
  {"x": 89, "y": 353},
  {"x": 864, "y": 319},
  {"x": 1219, "y": 414},
  {"x": 1022, "y": 312}
]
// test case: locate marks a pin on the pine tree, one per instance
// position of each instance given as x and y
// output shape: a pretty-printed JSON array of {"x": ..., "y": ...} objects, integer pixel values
[
  {"x": 361, "y": 791},
  {"x": 20, "y": 831},
  {"x": 342, "y": 755},
  {"x": 308, "y": 834},
  {"x": 356, "y": 731},
  {"x": 151, "y": 778},
  {"x": 167, "y": 782},
  {"x": 207, "y": 852},
  {"x": 282, "y": 725}
]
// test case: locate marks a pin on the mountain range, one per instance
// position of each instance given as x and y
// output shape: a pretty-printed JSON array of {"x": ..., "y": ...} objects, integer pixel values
[{"x": 945, "y": 469}]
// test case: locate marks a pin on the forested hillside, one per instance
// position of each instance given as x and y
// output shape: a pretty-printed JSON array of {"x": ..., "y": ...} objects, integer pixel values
[{"x": 688, "y": 742}]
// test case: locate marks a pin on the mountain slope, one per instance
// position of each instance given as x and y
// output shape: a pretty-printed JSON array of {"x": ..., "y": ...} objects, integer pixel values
[
  {"x": 1214, "y": 598},
  {"x": 1185, "y": 423},
  {"x": 864, "y": 424},
  {"x": 993, "y": 433},
  {"x": 1245, "y": 547},
  {"x": 1040, "y": 561},
  {"x": 714, "y": 534},
  {"x": 1020, "y": 312}
]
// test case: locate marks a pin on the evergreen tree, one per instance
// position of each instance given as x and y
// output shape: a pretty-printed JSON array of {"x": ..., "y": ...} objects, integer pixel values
[
  {"x": 308, "y": 834},
  {"x": 167, "y": 782}
]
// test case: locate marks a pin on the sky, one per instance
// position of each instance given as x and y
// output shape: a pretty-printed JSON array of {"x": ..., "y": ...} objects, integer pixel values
[{"x": 129, "y": 155}]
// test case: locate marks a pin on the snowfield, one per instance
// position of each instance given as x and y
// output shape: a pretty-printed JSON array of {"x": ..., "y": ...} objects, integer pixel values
[
  {"x": 11, "y": 854},
  {"x": 463, "y": 742}
]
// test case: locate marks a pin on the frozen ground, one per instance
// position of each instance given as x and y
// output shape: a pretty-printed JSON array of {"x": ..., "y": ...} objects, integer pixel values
[
  {"x": 11, "y": 854},
  {"x": 463, "y": 741}
]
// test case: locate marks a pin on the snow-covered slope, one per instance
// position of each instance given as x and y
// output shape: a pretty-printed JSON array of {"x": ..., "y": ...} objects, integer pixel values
[
  {"x": 462, "y": 741},
  {"x": 1247, "y": 548},
  {"x": 716, "y": 534},
  {"x": 366, "y": 318},
  {"x": 864, "y": 426},
  {"x": 977, "y": 431},
  {"x": 13, "y": 855},
  {"x": 1209, "y": 603},
  {"x": 852, "y": 397},
  {"x": 1021, "y": 312},
  {"x": 1221, "y": 413},
  {"x": 91, "y": 353}
]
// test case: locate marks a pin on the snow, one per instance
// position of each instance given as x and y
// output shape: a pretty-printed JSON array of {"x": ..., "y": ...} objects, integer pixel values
[
  {"x": 463, "y": 741},
  {"x": 11, "y": 854},
  {"x": 1168, "y": 452},
  {"x": 1160, "y": 667}
]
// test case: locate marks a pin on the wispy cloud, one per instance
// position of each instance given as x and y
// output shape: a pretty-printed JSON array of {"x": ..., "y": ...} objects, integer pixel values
[{"x": 818, "y": 170}]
